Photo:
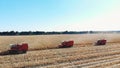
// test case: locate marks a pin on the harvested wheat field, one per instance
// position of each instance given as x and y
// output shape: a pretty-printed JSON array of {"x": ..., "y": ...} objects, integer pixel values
[{"x": 43, "y": 52}]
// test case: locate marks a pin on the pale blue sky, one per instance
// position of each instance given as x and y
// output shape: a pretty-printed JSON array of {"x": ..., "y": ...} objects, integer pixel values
[{"x": 59, "y": 15}]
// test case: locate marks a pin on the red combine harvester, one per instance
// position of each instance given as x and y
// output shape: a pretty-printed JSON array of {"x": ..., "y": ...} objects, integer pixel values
[
  {"x": 101, "y": 42},
  {"x": 66, "y": 44},
  {"x": 18, "y": 48}
]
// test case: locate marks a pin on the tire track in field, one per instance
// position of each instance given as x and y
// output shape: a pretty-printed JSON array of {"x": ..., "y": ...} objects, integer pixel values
[
  {"x": 81, "y": 62},
  {"x": 92, "y": 56},
  {"x": 97, "y": 63}
]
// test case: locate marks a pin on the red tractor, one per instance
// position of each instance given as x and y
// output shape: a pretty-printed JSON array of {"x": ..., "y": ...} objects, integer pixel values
[
  {"x": 101, "y": 42},
  {"x": 18, "y": 48},
  {"x": 66, "y": 44}
]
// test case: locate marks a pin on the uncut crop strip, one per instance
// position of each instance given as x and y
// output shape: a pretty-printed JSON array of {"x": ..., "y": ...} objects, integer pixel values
[{"x": 40, "y": 42}]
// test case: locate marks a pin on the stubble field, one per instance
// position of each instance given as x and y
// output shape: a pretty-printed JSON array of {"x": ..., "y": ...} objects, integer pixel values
[{"x": 43, "y": 51}]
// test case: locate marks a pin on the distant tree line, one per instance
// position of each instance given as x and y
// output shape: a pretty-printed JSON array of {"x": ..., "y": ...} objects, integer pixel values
[
  {"x": 40, "y": 32},
  {"x": 12, "y": 33}
]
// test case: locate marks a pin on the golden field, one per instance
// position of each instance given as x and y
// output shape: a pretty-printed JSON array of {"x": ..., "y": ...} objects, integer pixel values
[
  {"x": 82, "y": 54},
  {"x": 51, "y": 41}
]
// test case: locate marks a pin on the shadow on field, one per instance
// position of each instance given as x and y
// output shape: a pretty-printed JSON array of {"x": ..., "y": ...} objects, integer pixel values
[{"x": 3, "y": 53}]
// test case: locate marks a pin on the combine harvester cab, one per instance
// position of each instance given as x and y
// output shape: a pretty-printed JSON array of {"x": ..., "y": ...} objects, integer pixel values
[
  {"x": 101, "y": 42},
  {"x": 18, "y": 48},
  {"x": 66, "y": 44}
]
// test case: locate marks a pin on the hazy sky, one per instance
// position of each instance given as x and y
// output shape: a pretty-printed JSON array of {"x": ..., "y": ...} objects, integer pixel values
[{"x": 59, "y": 15}]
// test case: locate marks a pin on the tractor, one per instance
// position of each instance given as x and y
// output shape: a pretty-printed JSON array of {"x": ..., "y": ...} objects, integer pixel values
[
  {"x": 18, "y": 48},
  {"x": 66, "y": 44},
  {"x": 101, "y": 42}
]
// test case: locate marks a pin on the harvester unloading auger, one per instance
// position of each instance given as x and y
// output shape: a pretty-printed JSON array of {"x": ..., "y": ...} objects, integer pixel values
[{"x": 16, "y": 49}]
